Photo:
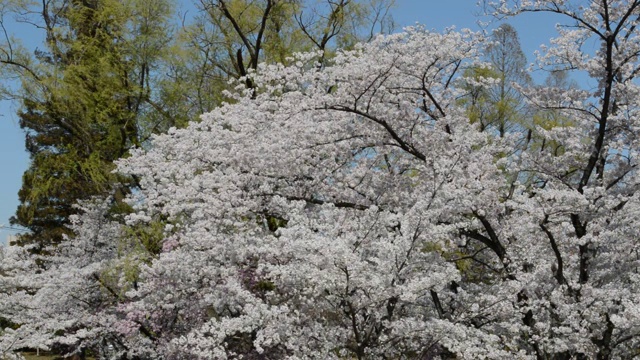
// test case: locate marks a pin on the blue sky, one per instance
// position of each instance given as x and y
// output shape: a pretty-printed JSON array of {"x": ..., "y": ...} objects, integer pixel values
[{"x": 534, "y": 30}]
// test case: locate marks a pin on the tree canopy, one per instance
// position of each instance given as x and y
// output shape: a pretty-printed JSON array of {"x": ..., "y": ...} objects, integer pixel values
[{"x": 350, "y": 208}]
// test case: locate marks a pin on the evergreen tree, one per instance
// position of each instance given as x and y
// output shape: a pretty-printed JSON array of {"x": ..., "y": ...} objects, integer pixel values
[{"x": 84, "y": 103}]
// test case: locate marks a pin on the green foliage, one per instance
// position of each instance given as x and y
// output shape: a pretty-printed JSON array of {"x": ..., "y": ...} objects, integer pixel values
[
  {"x": 6, "y": 324},
  {"x": 274, "y": 222},
  {"x": 493, "y": 102},
  {"x": 229, "y": 38},
  {"x": 479, "y": 106},
  {"x": 145, "y": 238},
  {"x": 548, "y": 119},
  {"x": 84, "y": 104},
  {"x": 264, "y": 286},
  {"x": 138, "y": 245}
]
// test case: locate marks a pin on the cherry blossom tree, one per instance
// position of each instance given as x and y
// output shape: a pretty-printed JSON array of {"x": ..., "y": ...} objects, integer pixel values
[
  {"x": 302, "y": 209},
  {"x": 61, "y": 301},
  {"x": 352, "y": 210},
  {"x": 586, "y": 189}
]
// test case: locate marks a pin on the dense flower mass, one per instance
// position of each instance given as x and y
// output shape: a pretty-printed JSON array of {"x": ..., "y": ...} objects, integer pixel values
[{"x": 354, "y": 211}]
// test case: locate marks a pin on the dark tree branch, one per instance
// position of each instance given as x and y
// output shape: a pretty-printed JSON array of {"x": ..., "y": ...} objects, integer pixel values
[
  {"x": 403, "y": 145},
  {"x": 559, "y": 273}
]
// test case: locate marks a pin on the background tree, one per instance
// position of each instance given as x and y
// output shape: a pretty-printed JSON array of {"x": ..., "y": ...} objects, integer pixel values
[
  {"x": 501, "y": 106},
  {"x": 227, "y": 39},
  {"x": 506, "y": 57},
  {"x": 85, "y": 101}
]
